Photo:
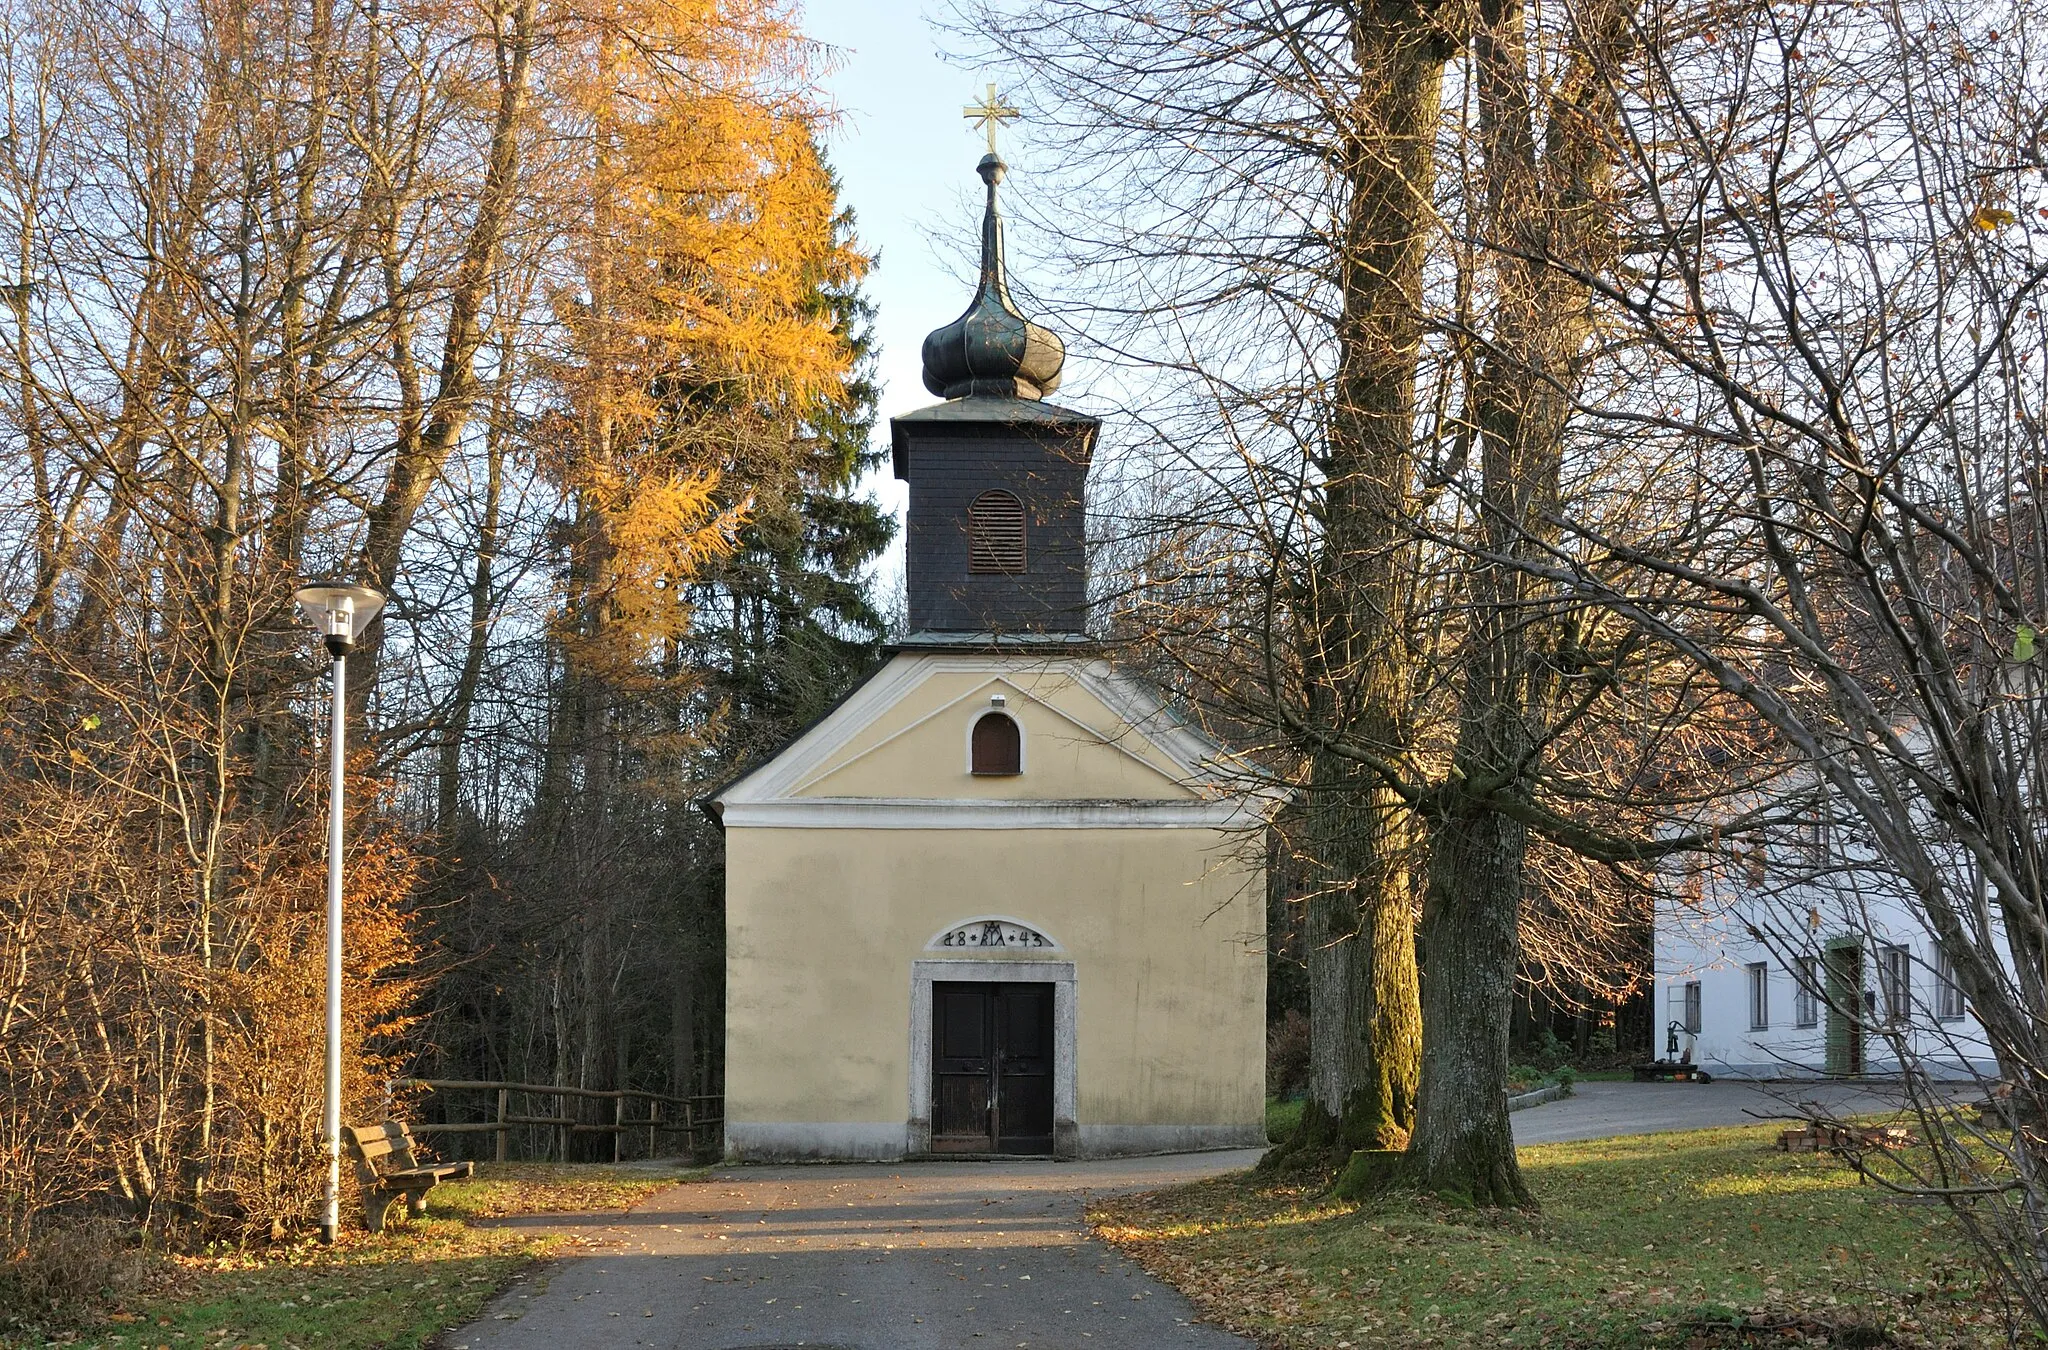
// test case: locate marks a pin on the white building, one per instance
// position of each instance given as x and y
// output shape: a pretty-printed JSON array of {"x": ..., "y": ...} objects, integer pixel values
[{"x": 1802, "y": 958}]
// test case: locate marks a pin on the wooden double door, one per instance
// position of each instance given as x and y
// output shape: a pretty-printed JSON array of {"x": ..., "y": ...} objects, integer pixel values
[{"x": 992, "y": 1068}]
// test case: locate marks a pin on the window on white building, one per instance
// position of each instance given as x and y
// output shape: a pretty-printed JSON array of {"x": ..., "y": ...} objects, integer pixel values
[
  {"x": 1692, "y": 1006},
  {"x": 1806, "y": 991},
  {"x": 1759, "y": 996},
  {"x": 1948, "y": 991},
  {"x": 1895, "y": 982}
]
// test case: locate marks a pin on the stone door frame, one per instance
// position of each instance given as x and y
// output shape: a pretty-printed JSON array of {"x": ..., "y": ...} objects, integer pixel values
[{"x": 1058, "y": 974}]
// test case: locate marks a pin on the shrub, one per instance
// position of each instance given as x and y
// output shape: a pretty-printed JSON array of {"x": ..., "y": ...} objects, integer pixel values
[
  {"x": 1287, "y": 1054},
  {"x": 72, "y": 1267},
  {"x": 187, "y": 1086},
  {"x": 1283, "y": 1119}
]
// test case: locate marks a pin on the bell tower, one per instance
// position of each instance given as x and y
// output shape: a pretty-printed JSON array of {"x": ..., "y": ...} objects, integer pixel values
[{"x": 996, "y": 541}]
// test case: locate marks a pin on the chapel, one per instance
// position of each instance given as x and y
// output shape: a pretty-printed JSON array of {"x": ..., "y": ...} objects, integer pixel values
[{"x": 999, "y": 899}]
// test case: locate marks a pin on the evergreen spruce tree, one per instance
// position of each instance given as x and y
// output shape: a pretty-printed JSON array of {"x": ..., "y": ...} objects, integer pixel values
[
  {"x": 786, "y": 624},
  {"x": 781, "y": 628}
]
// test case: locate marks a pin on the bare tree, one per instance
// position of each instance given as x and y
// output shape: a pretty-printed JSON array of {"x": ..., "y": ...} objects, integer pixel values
[
  {"x": 1360, "y": 380},
  {"x": 289, "y": 288},
  {"x": 1272, "y": 198},
  {"x": 1828, "y": 315}
]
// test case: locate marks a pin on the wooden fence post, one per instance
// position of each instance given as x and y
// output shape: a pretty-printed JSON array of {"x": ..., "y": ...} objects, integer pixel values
[{"x": 691, "y": 1119}]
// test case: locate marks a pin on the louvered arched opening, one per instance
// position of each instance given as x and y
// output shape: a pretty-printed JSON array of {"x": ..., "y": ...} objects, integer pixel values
[
  {"x": 998, "y": 745},
  {"x": 995, "y": 533}
]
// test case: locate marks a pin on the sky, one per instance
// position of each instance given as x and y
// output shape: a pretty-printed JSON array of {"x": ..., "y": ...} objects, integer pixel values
[{"x": 905, "y": 158}]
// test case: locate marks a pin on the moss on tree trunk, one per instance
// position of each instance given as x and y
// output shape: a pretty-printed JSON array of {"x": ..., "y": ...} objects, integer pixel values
[{"x": 1364, "y": 1019}]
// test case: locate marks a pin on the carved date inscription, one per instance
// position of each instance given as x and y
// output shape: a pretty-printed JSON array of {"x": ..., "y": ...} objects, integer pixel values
[{"x": 993, "y": 933}]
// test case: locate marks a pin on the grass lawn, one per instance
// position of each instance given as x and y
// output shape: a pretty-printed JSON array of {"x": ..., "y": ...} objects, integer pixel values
[
  {"x": 1666, "y": 1240},
  {"x": 395, "y": 1290}
]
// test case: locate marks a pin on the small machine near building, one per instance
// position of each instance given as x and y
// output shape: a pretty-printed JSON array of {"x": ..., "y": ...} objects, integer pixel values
[
  {"x": 998, "y": 900},
  {"x": 1676, "y": 1066}
]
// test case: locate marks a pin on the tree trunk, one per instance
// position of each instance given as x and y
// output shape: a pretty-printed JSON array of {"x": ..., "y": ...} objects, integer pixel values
[
  {"x": 462, "y": 703},
  {"x": 1471, "y": 914},
  {"x": 1364, "y": 1019},
  {"x": 1339, "y": 1052},
  {"x": 1382, "y": 1111},
  {"x": 1518, "y": 410},
  {"x": 422, "y": 451},
  {"x": 1463, "y": 1147}
]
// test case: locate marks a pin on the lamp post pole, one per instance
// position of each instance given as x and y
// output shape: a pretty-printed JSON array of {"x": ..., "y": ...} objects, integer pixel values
[
  {"x": 330, "y": 1124},
  {"x": 339, "y": 613}
]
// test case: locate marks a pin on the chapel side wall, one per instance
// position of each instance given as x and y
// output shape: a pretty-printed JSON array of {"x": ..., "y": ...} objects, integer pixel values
[{"x": 1163, "y": 927}]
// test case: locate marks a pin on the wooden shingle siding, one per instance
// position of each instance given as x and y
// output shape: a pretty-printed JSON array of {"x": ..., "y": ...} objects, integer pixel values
[{"x": 950, "y": 467}]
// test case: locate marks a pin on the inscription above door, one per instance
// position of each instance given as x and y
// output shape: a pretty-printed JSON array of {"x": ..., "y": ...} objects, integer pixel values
[{"x": 992, "y": 933}]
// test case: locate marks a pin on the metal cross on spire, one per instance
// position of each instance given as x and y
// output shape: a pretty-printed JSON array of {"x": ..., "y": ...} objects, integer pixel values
[{"x": 990, "y": 113}]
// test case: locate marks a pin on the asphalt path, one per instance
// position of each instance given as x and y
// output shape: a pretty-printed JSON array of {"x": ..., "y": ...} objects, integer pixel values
[
  {"x": 930, "y": 1256},
  {"x": 1600, "y": 1110},
  {"x": 955, "y": 1256}
]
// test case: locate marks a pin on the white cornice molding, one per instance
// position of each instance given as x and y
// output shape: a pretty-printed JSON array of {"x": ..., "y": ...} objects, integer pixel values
[
  {"x": 803, "y": 762},
  {"x": 795, "y": 761},
  {"x": 1001, "y": 813},
  {"x": 1202, "y": 762}
]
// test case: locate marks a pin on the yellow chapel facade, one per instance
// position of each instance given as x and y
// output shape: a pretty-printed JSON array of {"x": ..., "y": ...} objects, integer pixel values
[{"x": 998, "y": 900}]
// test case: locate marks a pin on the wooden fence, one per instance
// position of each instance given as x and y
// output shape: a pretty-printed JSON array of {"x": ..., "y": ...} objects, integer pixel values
[{"x": 697, "y": 1119}]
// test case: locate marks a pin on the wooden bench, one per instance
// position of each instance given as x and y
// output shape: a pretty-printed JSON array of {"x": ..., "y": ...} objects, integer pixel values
[{"x": 387, "y": 1169}]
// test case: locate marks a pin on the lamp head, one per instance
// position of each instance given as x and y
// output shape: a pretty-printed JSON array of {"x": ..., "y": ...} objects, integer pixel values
[{"x": 338, "y": 611}]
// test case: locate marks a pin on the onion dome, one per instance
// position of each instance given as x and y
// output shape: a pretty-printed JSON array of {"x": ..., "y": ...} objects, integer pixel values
[{"x": 992, "y": 350}]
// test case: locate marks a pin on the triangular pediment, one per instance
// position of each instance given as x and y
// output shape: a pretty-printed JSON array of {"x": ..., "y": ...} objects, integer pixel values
[{"x": 1089, "y": 735}]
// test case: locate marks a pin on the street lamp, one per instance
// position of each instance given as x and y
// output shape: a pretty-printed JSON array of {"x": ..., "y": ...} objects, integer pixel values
[{"x": 339, "y": 613}]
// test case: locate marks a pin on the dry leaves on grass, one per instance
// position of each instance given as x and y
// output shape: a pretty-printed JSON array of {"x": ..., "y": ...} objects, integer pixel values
[
  {"x": 501, "y": 1190},
  {"x": 1256, "y": 1301},
  {"x": 1698, "y": 1242}
]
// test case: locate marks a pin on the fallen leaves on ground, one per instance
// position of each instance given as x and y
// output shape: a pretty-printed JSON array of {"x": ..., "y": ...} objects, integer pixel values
[{"x": 1703, "y": 1241}]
